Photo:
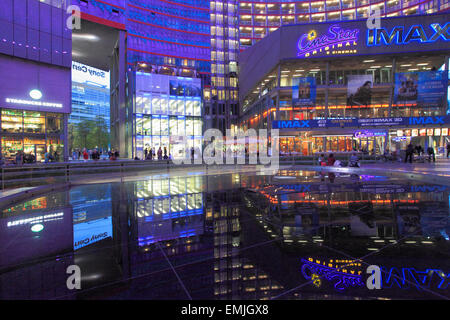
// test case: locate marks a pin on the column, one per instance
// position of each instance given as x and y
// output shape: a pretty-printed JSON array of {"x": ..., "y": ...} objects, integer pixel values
[
  {"x": 327, "y": 79},
  {"x": 391, "y": 91},
  {"x": 277, "y": 116}
]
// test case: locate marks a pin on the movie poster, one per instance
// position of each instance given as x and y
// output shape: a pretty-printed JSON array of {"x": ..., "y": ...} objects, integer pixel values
[
  {"x": 424, "y": 88},
  {"x": 304, "y": 91},
  {"x": 359, "y": 90}
]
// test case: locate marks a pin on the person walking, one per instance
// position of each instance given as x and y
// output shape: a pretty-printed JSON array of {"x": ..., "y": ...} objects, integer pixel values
[
  {"x": 145, "y": 153},
  {"x": 165, "y": 154},
  {"x": 159, "y": 153},
  {"x": 448, "y": 149},
  {"x": 19, "y": 158},
  {"x": 331, "y": 160},
  {"x": 322, "y": 161},
  {"x": 430, "y": 152},
  {"x": 409, "y": 153},
  {"x": 85, "y": 155}
]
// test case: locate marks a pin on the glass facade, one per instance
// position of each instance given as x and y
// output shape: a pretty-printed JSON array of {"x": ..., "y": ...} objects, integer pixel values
[
  {"x": 32, "y": 133},
  {"x": 167, "y": 111},
  {"x": 332, "y": 102},
  {"x": 90, "y": 94}
]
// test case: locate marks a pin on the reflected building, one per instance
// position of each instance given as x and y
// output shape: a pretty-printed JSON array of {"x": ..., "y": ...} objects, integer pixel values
[
  {"x": 36, "y": 248},
  {"x": 394, "y": 225}
]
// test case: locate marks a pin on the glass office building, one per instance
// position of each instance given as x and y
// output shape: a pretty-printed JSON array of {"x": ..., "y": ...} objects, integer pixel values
[
  {"x": 90, "y": 94},
  {"x": 168, "y": 114}
]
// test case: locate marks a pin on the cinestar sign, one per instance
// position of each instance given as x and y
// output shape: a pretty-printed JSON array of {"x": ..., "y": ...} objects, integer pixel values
[
  {"x": 336, "y": 38},
  {"x": 400, "y": 35}
]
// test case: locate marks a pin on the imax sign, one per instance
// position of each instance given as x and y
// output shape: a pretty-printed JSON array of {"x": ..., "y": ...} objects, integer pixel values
[
  {"x": 292, "y": 124},
  {"x": 400, "y": 35},
  {"x": 427, "y": 120}
]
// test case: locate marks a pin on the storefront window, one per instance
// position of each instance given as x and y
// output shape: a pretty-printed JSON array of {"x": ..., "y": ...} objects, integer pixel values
[
  {"x": 181, "y": 126},
  {"x": 156, "y": 126},
  {"x": 189, "y": 127},
  {"x": 173, "y": 126},
  {"x": 34, "y": 122},
  {"x": 54, "y": 123},
  {"x": 12, "y": 121},
  {"x": 173, "y": 107},
  {"x": 10, "y": 147},
  {"x": 180, "y": 107},
  {"x": 156, "y": 106},
  {"x": 147, "y": 126},
  {"x": 189, "y": 108},
  {"x": 164, "y": 125}
]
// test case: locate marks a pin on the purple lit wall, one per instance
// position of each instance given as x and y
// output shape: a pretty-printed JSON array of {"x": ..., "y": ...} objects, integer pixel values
[
  {"x": 24, "y": 76},
  {"x": 35, "y": 30},
  {"x": 19, "y": 243}
]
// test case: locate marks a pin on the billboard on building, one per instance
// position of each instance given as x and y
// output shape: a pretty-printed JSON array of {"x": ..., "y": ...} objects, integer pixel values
[
  {"x": 304, "y": 91},
  {"x": 85, "y": 74},
  {"x": 426, "y": 88},
  {"x": 359, "y": 89}
]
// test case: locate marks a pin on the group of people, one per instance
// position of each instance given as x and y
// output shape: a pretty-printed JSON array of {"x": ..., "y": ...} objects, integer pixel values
[
  {"x": 150, "y": 154},
  {"x": 411, "y": 150},
  {"x": 93, "y": 154},
  {"x": 331, "y": 161},
  {"x": 22, "y": 157}
]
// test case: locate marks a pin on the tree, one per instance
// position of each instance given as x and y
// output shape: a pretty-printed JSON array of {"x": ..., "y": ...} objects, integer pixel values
[{"x": 89, "y": 134}]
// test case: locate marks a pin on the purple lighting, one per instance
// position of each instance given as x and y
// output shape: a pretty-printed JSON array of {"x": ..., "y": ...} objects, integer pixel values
[{"x": 335, "y": 37}]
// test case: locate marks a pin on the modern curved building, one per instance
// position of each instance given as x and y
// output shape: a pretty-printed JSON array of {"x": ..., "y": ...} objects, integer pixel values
[
  {"x": 259, "y": 18},
  {"x": 346, "y": 85}
]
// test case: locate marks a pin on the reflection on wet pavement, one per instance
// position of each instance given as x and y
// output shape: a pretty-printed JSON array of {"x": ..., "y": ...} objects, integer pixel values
[{"x": 294, "y": 235}]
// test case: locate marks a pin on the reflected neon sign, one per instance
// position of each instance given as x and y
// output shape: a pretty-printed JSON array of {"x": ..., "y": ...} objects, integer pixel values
[
  {"x": 346, "y": 276},
  {"x": 336, "y": 38}
]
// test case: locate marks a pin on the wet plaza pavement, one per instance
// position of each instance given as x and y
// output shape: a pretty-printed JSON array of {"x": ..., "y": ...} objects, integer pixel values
[{"x": 290, "y": 235}]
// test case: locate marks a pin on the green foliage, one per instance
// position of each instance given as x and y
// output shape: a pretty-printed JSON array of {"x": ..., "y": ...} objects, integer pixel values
[{"x": 89, "y": 134}]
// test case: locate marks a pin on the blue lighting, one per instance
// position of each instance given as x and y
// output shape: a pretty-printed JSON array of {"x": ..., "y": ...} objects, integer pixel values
[{"x": 398, "y": 36}]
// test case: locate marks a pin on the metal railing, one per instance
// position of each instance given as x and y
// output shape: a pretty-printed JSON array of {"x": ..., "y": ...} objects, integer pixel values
[{"x": 13, "y": 176}]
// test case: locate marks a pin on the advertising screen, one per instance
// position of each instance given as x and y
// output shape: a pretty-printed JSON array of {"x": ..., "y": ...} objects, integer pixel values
[
  {"x": 82, "y": 73},
  {"x": 425, "y": 88}
]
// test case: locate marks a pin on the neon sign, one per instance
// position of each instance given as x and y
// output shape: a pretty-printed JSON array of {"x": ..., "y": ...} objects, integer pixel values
[
  {"x": 336, "y": 38},
  {"x": 398, "y": 35},
  {"x": 343, "y": 279},
  {"x": 33, "y": 103},
  {"x": 366, "y": 133}
]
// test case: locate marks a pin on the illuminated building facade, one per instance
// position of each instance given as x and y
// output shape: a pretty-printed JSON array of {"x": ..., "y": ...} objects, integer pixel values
[
  {"x": 168, "y": 39},
  {"x": 259, "y": 18},
  {"x": 223, "y": 93},
  {"x": 35, "y": 61},
  {"x": 90, "y": 94},
  {"x": 356, "y": 89}
]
